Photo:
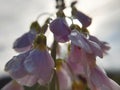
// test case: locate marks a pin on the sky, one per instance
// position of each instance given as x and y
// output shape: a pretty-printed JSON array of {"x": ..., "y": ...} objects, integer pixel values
[{"x": 17, "y": 15}]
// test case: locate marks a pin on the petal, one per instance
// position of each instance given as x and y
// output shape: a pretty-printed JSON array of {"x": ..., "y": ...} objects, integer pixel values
[
  {"x": 24, "y": 43},
  {"x": 64, "y": 79},
  {"x": 77, "y": 60},
  {"x": 102, "y": 44},
  {"x": 114, "y": 85},
  {"x": 84, "y": 19},
  {"x": 28, "y": 80},
  {"x": 39, "y": 63},
  {"x": 79, "y": 40},
  {"x": 98, "y": 80},
  {"x": 15, "y": 66},
  {"x": 12, "y": 86},
  {"x": 96, "y": 49},
  {"x": 46, "y": 78},
  {"x": 60, "y": 29}
]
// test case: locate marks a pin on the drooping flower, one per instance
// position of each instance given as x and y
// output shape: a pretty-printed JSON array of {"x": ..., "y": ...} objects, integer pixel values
[
  {"x": 80, "y": 40},
  {"x": 76, "y": 60},
  {"x": 39, "y": 62},
  {"x": 84, "y": 19},
  {"x": 24, "y": 42},
  {"x": 96, "y": 77},
  {"x": 33, "y": 66},
  {"x": 15, "y": 67},
  {"x": 63, "y": 76},
  {"x": 60, "y": 29},
  {"x": 98, "y": 80},
  {"x": 13, "y": 85}
]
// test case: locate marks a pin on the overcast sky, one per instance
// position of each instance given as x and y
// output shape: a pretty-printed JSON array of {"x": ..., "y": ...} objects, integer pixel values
[{"x": 17, "y": 15}]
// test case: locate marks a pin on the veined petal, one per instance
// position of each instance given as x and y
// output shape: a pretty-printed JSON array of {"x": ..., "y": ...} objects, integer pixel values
[
  {"x": 114, "y": 85},
  {"x": 12, "y": 86},
  {"x": 102, "y": 44},
  {"x": 97, "y": 51},
  {"x": 64, "y": 79},
  {"x": 84, "y": 19},
  {"x": 39, "y": 63},
  {"x": 98, "y": 80},
  {"x": 77, "y": 60},
  {"x": 60, "y": 29},
  {"x": 24, "y": 43},
  {"x": 15, "y": 66},
  {"x": 79, "y": 40},
  {"x": 28, "y": 80}
]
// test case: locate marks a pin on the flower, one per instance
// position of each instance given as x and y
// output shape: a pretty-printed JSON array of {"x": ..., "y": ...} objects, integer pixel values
[
  {"x": 84, "y": 19},
  {"x": 80, "y": 40},
  {"x": 60, "y": 29},
  {"x": 15, "y": 67},
  {"x": 76, "y": 60},
  {"x": 24, "y": 42},
  {"x": 64, "y": 79},
  {"x": 41, "y": 64},
  {"x": 98, "y": 80},
  {"x": 96, "y": 77},
  {"x": 33, "y": 66},
  {"x": 13, "y": 85}
]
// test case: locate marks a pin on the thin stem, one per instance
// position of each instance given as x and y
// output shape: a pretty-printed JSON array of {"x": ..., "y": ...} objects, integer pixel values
[
  {"x": 53, "y": 51},
  {"x": 42, "y": 14}
]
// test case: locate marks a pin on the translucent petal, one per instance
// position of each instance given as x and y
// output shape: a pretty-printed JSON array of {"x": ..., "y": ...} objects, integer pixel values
[
  {"x": 84, "y": 19},
  {"x": 76, "y": 60},
  {"x": 15, "y": 66},
  {"x": 28, "y": 80},
  {"x": 102, "y": 44},
  {"x": 79, "y": 40},
  {"x": 97, "y": 51},
  {"x": 12, "y": 86},
  {"x": 64, "y": 79},
  {"x": 60, "y": 29},
  {"x": 39, "y": 63},
  {"x": 99, "y": 80},
  {"x": 24, "y": 43}
]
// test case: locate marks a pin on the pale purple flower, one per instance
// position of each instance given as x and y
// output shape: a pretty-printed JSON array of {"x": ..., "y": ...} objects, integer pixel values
[
  {"x": 76, "y": 60},
  {"x": 15, "y": 67},
  {"x": 24, "y": 43},
  {"x": 63, "y": 75},
  {"x": 84, "y": 19},
  {"x": 31, "y": 67},
  {"x": 80, "y": 40},
  {"x": 12, "y": 86},
  {"x": 41, "y": 64},
  {"x": 60, "y": 29},
  {"x": 98, "y": 80},
  {"x": 96, "y": 77}
]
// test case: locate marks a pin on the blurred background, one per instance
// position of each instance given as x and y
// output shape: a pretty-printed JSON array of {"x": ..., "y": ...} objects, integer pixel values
[{"x": 17, "y": 15}]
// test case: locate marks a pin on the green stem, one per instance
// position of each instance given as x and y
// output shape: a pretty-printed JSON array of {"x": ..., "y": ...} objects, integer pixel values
[{"x": 53, "y": 51}]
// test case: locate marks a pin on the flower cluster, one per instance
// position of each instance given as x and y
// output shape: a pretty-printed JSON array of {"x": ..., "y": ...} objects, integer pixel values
[{"x": 38, "y": 64}]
